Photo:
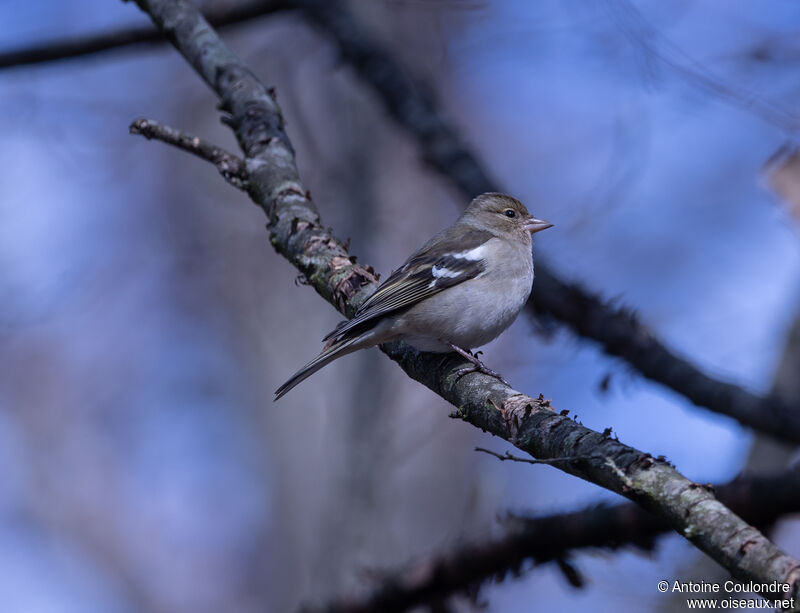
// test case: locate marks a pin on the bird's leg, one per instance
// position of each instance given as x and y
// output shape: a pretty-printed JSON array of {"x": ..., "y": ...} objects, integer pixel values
[{"x": 477, "y": 366}]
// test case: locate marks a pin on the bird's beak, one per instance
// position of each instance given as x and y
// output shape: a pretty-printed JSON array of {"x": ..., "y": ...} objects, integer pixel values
[{"x": 534, "y": 225}]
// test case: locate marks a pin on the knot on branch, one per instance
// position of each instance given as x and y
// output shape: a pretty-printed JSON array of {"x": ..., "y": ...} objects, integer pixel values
[
  {"x": 351, "y": 278},
  {"x": 643, "y": 461},
  {"x": 516, "y": 409}
]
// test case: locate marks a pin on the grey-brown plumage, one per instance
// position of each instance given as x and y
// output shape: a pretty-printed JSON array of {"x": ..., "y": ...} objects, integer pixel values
[{"x": 458, "y": 291}]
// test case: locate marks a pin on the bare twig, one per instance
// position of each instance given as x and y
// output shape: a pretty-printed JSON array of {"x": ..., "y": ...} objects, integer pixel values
[
  {"x": 528, "y": 423},
  {"x": 220, "y": 15},
  {"x": 550, "y": 461},
  {"x": 760, "y": 500},
  {"x": 231, "y": 167}
]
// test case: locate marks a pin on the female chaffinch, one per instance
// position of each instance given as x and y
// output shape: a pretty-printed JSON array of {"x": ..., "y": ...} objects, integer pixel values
[{"x": 458, "y": 291}]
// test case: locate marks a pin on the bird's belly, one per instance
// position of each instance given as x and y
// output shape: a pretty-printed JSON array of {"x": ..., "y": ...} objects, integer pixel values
[{"x": 467, "y": 315}]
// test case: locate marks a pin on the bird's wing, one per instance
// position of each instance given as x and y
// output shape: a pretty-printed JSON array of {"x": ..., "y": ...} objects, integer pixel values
[{"x": 443, "y": 262}]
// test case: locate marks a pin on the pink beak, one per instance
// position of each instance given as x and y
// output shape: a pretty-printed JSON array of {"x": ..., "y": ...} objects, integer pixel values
[{"x": 534, "y": 225}]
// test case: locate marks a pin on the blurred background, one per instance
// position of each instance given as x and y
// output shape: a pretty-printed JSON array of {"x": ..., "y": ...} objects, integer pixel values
[{"x": 146, "y": 320}]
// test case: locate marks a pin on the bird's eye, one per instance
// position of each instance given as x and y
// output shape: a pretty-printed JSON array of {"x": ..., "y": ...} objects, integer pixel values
[{"x": 509, "y": 213}]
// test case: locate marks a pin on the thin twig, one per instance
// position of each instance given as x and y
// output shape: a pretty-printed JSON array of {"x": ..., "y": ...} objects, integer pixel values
[
  {"x": 550, "y": 461},
  {"x": 231, "y": 167},
  {"x": 220, "y": 15}
]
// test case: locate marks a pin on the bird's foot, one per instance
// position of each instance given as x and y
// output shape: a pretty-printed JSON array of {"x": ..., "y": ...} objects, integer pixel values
[
  {"x": 481, "y": 369},
  {"x": 477, "y": 365}
]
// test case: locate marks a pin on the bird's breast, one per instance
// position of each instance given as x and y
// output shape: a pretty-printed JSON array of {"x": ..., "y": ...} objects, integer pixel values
[{"x": 474, "y": 312}]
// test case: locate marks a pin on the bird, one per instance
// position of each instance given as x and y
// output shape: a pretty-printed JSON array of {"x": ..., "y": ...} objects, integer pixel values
[{"x": 457, "y": 292}]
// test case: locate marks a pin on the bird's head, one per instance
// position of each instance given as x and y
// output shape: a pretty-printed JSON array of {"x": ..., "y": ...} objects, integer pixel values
[{"x": 503, "y": 215}]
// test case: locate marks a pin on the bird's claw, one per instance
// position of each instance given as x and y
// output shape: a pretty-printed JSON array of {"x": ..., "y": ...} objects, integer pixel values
[
  {"x": 481, "y": 369},
  {"x": 488, "y": 371},
  {"x": 477, "y": 365}
]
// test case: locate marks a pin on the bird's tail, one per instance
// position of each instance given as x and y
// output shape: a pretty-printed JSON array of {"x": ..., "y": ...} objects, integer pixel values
[{"x": 328, "y": 355}]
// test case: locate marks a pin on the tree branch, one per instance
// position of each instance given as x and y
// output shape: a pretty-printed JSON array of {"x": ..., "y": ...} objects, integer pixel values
[
  {"x": 229, "y": 166},
  {"x": 91, "y": 44},
  {"x": 530, "y": 424},
  {"x": 760, "y": 500},
  {"x": 615, "y": 328}
]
